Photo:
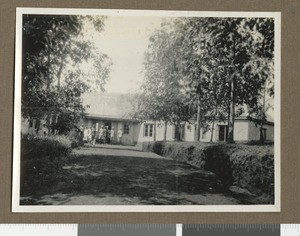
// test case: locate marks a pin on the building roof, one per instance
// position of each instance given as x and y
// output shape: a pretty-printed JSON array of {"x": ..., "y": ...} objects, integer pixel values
[
  {"x": 107, "y": 105},
  {"x": 114, "y": 106}
]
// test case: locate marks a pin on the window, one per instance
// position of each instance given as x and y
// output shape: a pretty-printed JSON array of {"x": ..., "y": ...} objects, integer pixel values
[
  {"x": 263, "y": 134},
  {"x": 126, "y": 129},
  {"x": 148, "y": 130},
  {"x": 176, "y": 132},
  {"x": 223, "y": 132}
]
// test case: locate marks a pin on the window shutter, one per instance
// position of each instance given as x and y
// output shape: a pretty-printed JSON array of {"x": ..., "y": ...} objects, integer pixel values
[
  {"x": 145, "y": 129},
  {"x": 173, "y": 132},
  {"x": 151, "y": 130}
]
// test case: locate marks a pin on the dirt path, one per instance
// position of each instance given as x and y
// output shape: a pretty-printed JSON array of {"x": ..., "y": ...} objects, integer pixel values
[{"x": 103, "y": 175}]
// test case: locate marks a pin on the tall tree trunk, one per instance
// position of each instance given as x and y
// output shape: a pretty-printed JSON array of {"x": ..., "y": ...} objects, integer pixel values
[
  {"x": 165, "y": 131},
  {"x": 262, "y": 138},
  {"x": 179, "y": 131},
  {"x": 198, "y": 122},
  {"x": 213, "y": 125},
  {"x": 232, "y": 99},
  {"x": 49, "y": 70},
  {"x": 154, "y": 130},
  {"x": 63, "y": 57},
  {"x": 48, "y": 113},
  {"x": 59, "y": 79},
  {"x": 59, "y": 73},
  {"x": 232, "y": 111}
]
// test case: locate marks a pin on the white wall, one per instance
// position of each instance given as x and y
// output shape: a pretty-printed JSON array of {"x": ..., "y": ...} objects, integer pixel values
[
  {"x": 254, "y": 131},
  {"x": 136, "y": 132},
  {"x": 270, "y": 132},
  {"x": 160, "y": 129},
  {"x": 244, "y": 130},
  {"x": 189, "y": 132},
  {"x": 25, "y": 129},
  {"x": 240, "y": 131}
]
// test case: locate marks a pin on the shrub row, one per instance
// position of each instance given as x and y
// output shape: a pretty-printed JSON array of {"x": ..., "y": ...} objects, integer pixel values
[
  {"x": 247, "y": 166},
  {"x": 76, "y": 138},
  {"x": 41, "y": 162},
  {"x": 33, "y": 147}
]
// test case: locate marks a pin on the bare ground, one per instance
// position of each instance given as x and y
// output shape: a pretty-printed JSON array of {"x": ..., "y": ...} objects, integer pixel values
[{"x": 116, "y": 175}]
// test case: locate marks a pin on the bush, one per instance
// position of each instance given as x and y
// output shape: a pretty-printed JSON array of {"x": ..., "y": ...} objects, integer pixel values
[
  {"x": 217, "y": 160},
  {"x": 158, "y": 147},
  {"x": 39, "y": 175},
  {"x": 147, "y": 146},
  {"x": 33, "y": 147},
  {"x": 41, "y": 162},
  {"x": 246, "y": 166},
  {"x": 76, "y": 138},
  {"x": 253, "y": 168}
]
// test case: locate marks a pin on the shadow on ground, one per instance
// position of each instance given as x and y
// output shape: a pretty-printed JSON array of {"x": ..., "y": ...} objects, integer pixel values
[{"x": 97, "y": 179}]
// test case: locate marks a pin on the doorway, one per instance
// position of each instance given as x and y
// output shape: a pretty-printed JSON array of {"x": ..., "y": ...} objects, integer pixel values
[
  {"x": 223, "y": 132},
  {"x": 108, "y": 124}
]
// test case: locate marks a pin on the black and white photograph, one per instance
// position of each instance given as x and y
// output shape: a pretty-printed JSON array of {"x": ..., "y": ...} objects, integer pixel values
[{"x": 146, "y": 111}]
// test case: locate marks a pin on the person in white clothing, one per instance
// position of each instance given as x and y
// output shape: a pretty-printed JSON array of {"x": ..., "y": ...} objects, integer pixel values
[
  {"x": 120, "y": 133},
  {"x": 112, "y": 135},
  {"x": 101, "y": 135},
  {"x": 85, "y": 134}
]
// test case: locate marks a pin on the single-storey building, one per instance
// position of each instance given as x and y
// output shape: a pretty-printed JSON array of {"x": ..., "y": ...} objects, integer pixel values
[{"x": 113, "y": 111}]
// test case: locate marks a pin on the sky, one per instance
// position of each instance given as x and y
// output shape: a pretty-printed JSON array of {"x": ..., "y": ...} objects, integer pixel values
[{"x": 125, "y": 40}]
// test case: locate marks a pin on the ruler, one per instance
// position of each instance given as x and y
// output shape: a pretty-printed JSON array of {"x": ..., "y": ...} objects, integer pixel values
[{"x": 150, "y": 229}]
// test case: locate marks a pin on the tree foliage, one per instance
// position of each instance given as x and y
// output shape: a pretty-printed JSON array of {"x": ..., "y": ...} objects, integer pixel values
[
  {"x": 162, "y": 96},
  {"x": 222, "y": 64},
  {"x": 52, "y": 83}
]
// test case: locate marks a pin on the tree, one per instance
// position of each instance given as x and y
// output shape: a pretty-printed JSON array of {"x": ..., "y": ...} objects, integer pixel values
[
  {"x": 200, "y": 71},
  {"x": 162, "y": 97},
  {"x": 213, "y": 65},
  {"x": 241, "y": 54},
  {"x": 52, "y": 47}
]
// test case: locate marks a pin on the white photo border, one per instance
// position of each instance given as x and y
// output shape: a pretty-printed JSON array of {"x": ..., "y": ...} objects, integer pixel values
[{"x": 16, "y": 207}]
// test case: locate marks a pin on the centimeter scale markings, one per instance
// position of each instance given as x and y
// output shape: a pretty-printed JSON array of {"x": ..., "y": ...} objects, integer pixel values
[
  {"x": 231, "y": 229},
  {"x": 150, "y": 229},
  {"x": 38, "y": 229},
  {"x": 127, "y": 230}
]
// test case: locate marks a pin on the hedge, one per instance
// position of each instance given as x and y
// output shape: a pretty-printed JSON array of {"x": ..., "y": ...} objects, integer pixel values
[
  {"x": 41, "y": 162},
  {"x": 76, "y": 138},
  {"x": 33, "y": 146},
  {"x": 249, "y": 167}
]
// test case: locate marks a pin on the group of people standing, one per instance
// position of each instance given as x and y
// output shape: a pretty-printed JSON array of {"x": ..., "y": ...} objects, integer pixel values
[{"x": 102, "y": 136}]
